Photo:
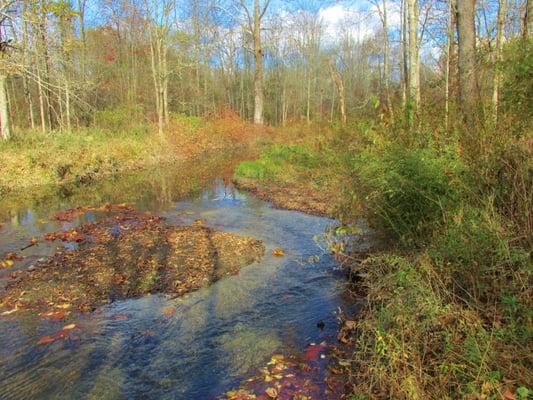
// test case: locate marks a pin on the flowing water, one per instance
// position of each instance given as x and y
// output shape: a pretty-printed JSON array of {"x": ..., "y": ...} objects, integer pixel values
[{"x": 132, "y": 349}]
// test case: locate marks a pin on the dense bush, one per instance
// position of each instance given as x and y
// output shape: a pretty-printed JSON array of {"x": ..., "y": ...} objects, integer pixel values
[
  {"x": 407, "y": 191},
  {"x": 517, "y": 89}
]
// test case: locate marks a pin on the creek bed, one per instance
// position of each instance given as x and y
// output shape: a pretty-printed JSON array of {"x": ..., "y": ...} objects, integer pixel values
[{"x": 195, "y": 346}]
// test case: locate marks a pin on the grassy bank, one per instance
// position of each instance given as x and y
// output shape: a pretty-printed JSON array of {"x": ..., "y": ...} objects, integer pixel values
[
  {"x": 449, "y": 306},
  {"x": 296, "y": 170},
  {"x": 33, "y": 158}
]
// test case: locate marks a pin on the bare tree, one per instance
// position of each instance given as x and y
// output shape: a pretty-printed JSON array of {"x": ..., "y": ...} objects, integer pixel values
[
  {"x": 468, "y": 86},
  {"x": 6, "y": 10},
  {"x": 255, "y": 18},
  {"x": 159, "y": 21},
  {"x": 449, "y": 55},
  {"x": 382, "y": 11},
  {"x": 340, "y": 89},
  {"x": 498, "y": 58},
  {"x": 414, "y": 58}
]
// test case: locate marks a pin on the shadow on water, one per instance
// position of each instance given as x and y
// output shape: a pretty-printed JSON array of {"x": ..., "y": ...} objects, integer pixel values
[{"x": 210, "y": 339}]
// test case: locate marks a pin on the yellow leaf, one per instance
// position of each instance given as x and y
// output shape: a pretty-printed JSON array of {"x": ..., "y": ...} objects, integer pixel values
[
  {"x": 278, "y": 252},
  {"x": 69, "y": 327},
  {"x": 64, "y": 305},
  {"x": 271, "y": 392},
  {"x": 9, "y": 312}
]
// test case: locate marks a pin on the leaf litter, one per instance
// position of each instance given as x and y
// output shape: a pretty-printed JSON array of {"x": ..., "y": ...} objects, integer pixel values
[{"x": 122, "y": 255}]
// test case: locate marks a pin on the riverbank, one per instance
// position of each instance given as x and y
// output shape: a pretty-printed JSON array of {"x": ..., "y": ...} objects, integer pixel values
[
  {"x": 448, "y": 306},
  {"x": 33, "y": 159},
  {"x": 294, "y": 176}
]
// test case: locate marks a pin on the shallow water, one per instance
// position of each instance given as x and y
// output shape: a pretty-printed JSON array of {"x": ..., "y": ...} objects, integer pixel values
[{"x": 136, "y": 349}]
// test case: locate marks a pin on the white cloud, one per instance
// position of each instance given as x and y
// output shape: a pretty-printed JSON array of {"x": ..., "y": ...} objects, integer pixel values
[{"x": 339, "y": 20}]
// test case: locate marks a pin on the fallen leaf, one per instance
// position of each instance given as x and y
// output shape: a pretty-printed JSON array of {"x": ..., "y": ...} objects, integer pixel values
[
  {"x": 350, "y": 324},
  {"x": 68, "y": 327},
  {"x": 45, "y": 340},
  {"x": 278, "y": 252},
  {"x": 169, "y": 311},
  {"x": 271, "y": 392},
  {"x": 9, "y": 312},
  {"x": 509, "y": 394},
  {"x": 63, "y": 306},
  {"x": 55, "y": 315}
]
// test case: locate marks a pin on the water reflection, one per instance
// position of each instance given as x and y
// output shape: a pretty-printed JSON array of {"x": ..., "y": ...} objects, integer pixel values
[{"x": 134, "y": 349}]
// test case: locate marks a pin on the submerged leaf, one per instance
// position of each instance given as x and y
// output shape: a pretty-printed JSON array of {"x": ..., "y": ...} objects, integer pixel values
[{"x": 278, "y": 252}]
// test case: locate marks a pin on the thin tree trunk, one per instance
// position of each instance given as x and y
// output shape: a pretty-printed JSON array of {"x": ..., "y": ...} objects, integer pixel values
[
  {"x": 164, "y": 78},
  {"x": 46, "y": 59},
  {"x": 414, "y": 61},
  {"x": 498, "y": 56},
  {"x": 258, "y": 66},
  {"x": 527, "y": 19},
  {"x": 386, "y": 46},
  {"x": 468, "y": 86},
  {"x": 447, "y": 72},
  {"x": 5, "y": 125},
  {"x": 404, "y": 56},
  {"x": 340, "y": 88},
  {"x": 41, "y": 100},
  {"x": 81, "y": 15},
  {"x": 308, "y": 98}
]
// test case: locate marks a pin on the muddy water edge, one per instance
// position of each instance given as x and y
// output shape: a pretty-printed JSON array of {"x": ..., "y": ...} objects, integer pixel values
[{"x": 162, "y": 344}]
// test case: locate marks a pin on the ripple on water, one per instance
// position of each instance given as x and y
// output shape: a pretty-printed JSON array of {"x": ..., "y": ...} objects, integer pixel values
[{"x": 194, "y": 347}]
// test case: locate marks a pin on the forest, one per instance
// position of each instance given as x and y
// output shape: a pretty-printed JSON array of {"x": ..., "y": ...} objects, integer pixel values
[{"x": 323, "y": 199}]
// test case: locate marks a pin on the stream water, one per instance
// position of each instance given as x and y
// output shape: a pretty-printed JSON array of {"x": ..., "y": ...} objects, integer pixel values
[{"x": 218, "y": 336}]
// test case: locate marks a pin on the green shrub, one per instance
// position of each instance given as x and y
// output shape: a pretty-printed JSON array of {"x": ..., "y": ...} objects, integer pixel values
[
  {"x": 190, "y": 123},
  {"x": 253, "y": 170},
  {"x": 297, "y": 155},
  {"x": 118, "y": 118},
  {"x": 277, "y": 161},
  {"x": 517, "y": 68},
  {"x": 407, "y": 191}
]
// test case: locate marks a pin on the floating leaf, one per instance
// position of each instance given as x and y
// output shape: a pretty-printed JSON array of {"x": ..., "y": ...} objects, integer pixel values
[
  {"x": 55, "y": 315},
  {"x": 169, "y": 311},
  {"x": 46, "y": 340},
  {"x": 278, "y": 252},
  {"x": 6, "y": 264}
]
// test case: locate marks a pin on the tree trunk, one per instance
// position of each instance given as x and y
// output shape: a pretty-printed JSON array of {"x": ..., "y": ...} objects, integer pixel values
[
  {"x": 497, "y": 58},
  {"x": 340, "y": 88},
  {"x": 414, "y": 59},
  {"x": 468, "y": 86},
  {"x": 46, "y": 66},
  {"x": 447, "y": 72},
  {"x": 386, "y": 46},
  {"x": 5, "y": 126},
  {"x": 404, "y": 56},
  {"x": 527, "y": 19},
  {"x": 25, "y": 84},
  {"x": 258, "y": 66}
]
